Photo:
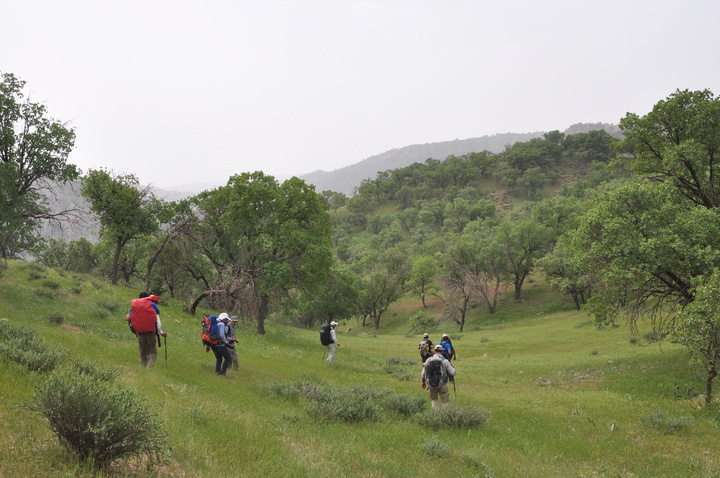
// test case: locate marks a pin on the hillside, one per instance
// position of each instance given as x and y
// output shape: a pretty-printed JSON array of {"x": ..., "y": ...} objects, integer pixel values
[
  {"x": 564, "y": 399},
  {"x": 346, "y": 179}
]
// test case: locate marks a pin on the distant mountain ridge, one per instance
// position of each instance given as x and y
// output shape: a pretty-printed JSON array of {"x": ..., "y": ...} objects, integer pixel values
[{"x": 346, "y": 179}]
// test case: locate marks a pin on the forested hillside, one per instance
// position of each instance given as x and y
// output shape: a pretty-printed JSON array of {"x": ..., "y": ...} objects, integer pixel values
[{"x": 346, "y": 180}]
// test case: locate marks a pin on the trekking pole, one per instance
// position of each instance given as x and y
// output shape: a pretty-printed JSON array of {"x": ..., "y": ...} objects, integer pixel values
[
  {"x": 166, "y": 355},
  {"x": 452, "y": 379}
]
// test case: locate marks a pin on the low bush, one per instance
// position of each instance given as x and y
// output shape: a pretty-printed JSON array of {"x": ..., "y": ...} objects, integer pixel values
[
  {"x": 57, "y": 318},
  {"x": 97, "y": 420},
  {"x": 404, "y": 404},
  {"x": 400, "y": 373},
  {"x": 45, "y": 293},
  {"x": 108, "y": 304},
  {"x": 86, "y": 367},
  {"x": 51, "y": 284},
  {"x": 351, "y": 404},
  {"x": 400, "y": 361},
  {"x": 453, "y": 416},
  {"x": 24, "y": 347},
  {"x": 291, "y": 390},
  {"x": 665, "y": 423},
  {"x": 435, "y": 447}
]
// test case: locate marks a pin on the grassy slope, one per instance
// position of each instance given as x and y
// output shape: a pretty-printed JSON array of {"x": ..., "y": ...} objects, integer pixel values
[{"x": 566, "y": 399}]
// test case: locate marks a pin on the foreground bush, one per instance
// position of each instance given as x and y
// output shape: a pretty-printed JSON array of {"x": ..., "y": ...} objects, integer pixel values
[{"x": 96, "y": 419}]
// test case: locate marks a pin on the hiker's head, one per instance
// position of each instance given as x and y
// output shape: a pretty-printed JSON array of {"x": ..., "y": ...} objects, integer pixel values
[
  {"x": 426, "y": 335},
  {"x": 234, "y": 319},
  {"x": 439, "y": 349},
  {"x": 143, "y": 295},
  {"x": 333, "y": 324},
  {"x": 154, "y": 298},
  {"x": 223, "y": 316},
  {"x": 445, "y": 337}
]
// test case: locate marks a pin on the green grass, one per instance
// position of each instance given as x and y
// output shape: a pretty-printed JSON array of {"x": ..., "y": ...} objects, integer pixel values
[{"x": 556, "y": 408}]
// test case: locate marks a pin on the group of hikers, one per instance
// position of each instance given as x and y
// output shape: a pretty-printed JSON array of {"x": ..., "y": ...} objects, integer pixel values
[
  {"x": 437, "y": 370},
  {"x": 218, "y": 335}
]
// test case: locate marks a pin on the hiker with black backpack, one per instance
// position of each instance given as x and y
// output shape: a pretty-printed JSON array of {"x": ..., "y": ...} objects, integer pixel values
[
  {"x": 144, "y": 321},
  {"x": 436, "y": 372},
  {"x": 328, "y": 338},
  {"x": 425, "y": 347}
]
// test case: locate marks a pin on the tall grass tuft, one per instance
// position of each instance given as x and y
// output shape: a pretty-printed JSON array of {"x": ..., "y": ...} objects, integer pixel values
[
  {"x": 350, "y": 404},
  {"x": 97, "y": 420}
]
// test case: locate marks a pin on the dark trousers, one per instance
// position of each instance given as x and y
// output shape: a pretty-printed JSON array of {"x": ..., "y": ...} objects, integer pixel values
[{"x": 221, "y": 352}]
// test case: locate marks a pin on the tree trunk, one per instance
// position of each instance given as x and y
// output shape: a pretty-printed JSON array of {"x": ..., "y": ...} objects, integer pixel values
[
  {"x": 711, "y": 374},
  {"x": 116, "y": 260},
  {"x": 262, "y": 314}
]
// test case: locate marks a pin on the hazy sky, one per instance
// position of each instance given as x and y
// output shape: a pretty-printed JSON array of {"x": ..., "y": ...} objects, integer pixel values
[{"x": 178, "y": 91}]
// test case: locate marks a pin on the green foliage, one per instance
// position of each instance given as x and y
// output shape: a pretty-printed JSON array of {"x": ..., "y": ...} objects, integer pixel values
[
  {"x": 453, "y": 416},
  {"x": 666, "y": 423},
  {"x": 33, "y": 154},
  {"x": 404, "y": 404},
  {"x": 96, "y": 419},
  {"x": 422, "y": 321},
  {"x": 109, "y": 304},
  {"x": 435, "y": 448},
  {"x": 351, "y": 404},
  {"x": 57, "y": 318},
  {"x": 51, "y": 284},
  {"x": 23, "y": 346}
]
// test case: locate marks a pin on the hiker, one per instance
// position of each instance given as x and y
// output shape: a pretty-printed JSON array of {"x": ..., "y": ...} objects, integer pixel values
[
  {"x": 222, "y": 348},
  {"x": 449, "y": 350},
  {"x": 333, "y": 342},
  {"x": 425, "y": 347},
  {"x": 232, "y": 338},
  {"x": 145, "y": 323},
  {"x": 436, "y": 372}
]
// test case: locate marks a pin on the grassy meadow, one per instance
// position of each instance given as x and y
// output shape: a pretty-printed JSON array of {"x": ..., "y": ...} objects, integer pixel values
[{"x": 565, "y": 398}]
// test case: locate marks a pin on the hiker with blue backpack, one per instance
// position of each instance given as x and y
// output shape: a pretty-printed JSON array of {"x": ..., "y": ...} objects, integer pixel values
[
  {"x": 436, "y": 372},
  {"x": 217, "y": 337},
  {"x": 448, "y": 349}
]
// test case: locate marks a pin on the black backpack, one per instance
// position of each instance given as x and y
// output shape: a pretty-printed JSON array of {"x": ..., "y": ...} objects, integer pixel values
[
  {"x": 325, "y": 337},
  {"x": 433, "y": 372}
]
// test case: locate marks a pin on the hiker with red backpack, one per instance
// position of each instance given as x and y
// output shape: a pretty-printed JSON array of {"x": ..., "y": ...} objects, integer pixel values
[
  {"x": 144, "y": 321},
  {"x": 436, "y": 372}
]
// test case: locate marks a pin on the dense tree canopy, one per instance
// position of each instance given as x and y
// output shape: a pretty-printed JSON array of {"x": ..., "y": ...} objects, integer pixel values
[
  {"x": 263, "y": 239},
  {"x": 33, "y": 156}
]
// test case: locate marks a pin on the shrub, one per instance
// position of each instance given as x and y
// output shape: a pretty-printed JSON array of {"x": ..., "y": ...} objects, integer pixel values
[
  {"x": 404, "y": 404},
  {"x": 291, "y": 390},
  {"x": 24, "y": 347},
  {"x": 654, "y": 336},
  {"x": 57, "y": 318},
  {"x": 77, "y": 290},
  {"x": 46, "y": 293},
  {"x": 423, "y": 322},
  {"x": 435, "y": 447},
  {"x": 87, "y": 367},
  {"x": 400, "y": 361},
  {"x": 352, "y": 404},
  {"x": 108, "y": 304},
  {"x": 97, "y": 420},
  {"x": 666, "y": 423},
  {"x": 399, "y": 372},
  {"x": 51, "y": 284},
  {"x": 454, "y": 417}
]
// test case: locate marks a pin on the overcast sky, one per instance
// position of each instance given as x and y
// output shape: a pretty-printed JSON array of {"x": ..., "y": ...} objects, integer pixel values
[{"x": 178, "y": 91}]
